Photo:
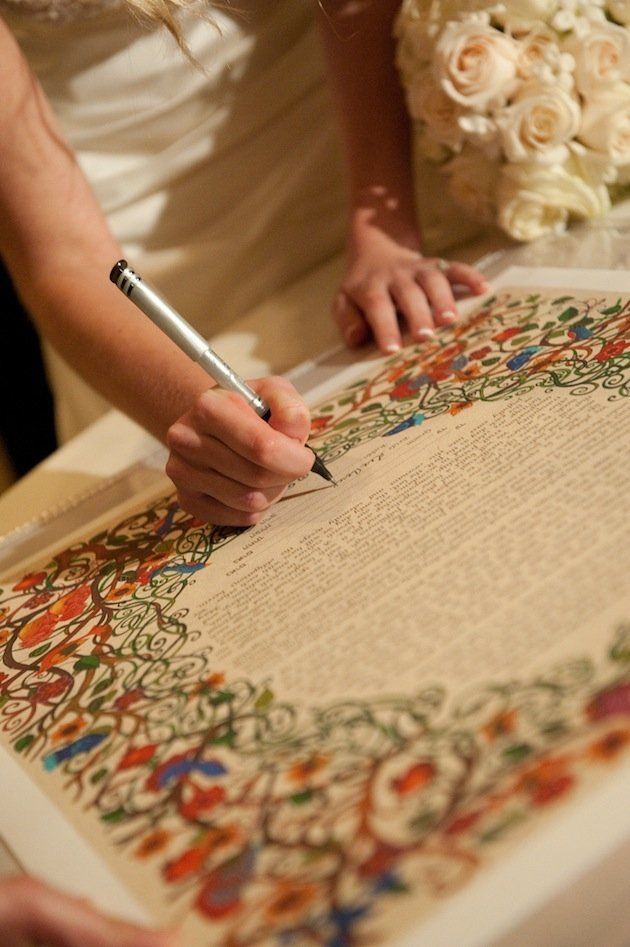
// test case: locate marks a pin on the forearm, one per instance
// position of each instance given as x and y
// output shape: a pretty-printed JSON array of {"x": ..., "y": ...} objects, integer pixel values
[
  {"x": 113, "y": 346},
  {"x": 58, "y": 248},
  {"x": 361, "y": 53}
]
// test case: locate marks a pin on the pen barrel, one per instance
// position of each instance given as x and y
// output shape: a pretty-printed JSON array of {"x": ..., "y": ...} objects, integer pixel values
[
  {"x": 183, "y": 335},
  {"x": 165, "y": 317},
  {"x": 228, "y": 379}
]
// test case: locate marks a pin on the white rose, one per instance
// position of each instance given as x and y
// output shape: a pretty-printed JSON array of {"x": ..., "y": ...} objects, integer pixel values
[
  {"x": 540, "y": 57},
  {"x": 602, "y": 57},
  {"x": 620, "y": 11},
  {"x": 606, "y": 124},
  {"x": 428, "y": 102},
  {"x": 476, "y": 64},
  {"x": 539, "y": 123},
  {"x": 472, "y": 181},
  {"x": 535, "y": 199}
]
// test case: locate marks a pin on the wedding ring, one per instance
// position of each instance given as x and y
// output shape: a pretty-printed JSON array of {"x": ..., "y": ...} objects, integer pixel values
[{"x": 442, "y": 265}]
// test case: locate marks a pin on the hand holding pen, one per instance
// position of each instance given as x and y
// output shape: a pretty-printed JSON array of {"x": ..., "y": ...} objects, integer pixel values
[{"x": 227, "y": 465}]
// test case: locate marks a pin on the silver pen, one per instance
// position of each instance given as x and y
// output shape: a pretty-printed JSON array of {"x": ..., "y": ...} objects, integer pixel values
[{"x": 192, "y": 343}]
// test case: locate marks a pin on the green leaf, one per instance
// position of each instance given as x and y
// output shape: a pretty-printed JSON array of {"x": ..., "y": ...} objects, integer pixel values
[
  {"x": 116, "y": 815},
  {"x": 24, "y": 742},
  {"x": 611, "y": 309},
  {"x": 99, "y": 775},
  {"x": 42, "y": 648},
  {"x": 118, "y": 540},
  {"x": 299, "y": 798},
  {"x": 264, "y": 700},
  {"x": 491, "y": 361},
  {"x": 569, "y": 313},
  {"x": 95, "y": 705},
  {"x": 344, "y": 401},
  {"x": 423, "y": 821},
  {"x": 370, "y": 407},
  {"x": 496, "y": 831},
  {"x": 517, "y": 752},
  {"x": 223, "y": 697},
  {"x": 561, "y": 299},
  {"x": 87, "y": 662},
  {"x": 225, "y": 739},
  {"x": 101, "y": 686},
  {"x": 355, "y": 384}
]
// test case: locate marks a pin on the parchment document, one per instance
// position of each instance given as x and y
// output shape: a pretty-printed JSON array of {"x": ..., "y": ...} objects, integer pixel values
[{"x": 313, "y": 731}]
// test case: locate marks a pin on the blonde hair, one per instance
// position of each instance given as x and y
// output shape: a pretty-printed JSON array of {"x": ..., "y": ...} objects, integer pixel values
[{"x": 165, "y": 12}]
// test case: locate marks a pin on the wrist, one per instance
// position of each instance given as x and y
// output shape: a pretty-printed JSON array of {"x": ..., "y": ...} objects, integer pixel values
[{"x": 377, "y": 209}]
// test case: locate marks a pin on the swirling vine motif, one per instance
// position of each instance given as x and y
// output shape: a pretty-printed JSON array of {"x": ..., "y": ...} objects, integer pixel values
[
  {"x": 507, "y": 347},
  {"x": 286, "y": 824}
]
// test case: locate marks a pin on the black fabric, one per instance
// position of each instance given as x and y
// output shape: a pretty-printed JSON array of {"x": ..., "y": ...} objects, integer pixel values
[{"x": 27, "y": 427}]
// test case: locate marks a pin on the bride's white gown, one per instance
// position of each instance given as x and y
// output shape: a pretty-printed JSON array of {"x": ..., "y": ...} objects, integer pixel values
[{"x": 223, "y": 185}]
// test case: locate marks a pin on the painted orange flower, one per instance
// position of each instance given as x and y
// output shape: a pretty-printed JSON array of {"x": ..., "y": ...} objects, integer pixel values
[
  {"x": 610, "y": 745},
  {"x": 121, "y": 590},
  {"x": 458, "y": 406},
  {"x": 500, "y": 725},
  {"x": 30, "y": 580},
  {"x": 5, "y": 634},
  {"x": 302, "y": 771},
  {"x": 290, "y": 900},
  {"x": 414, "y": 779},
  {"x": 38, "y": 629},
  {"x": 72, "y": 604},
  {"x": 69, "y": 730},
  {"x": 546, "y": 780},
  {"x": 208, "y": 683},
  {"x": 153, "y": 843}
]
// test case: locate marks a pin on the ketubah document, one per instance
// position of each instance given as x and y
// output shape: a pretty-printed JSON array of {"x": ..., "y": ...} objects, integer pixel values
[{"x": 331, "y": 728}]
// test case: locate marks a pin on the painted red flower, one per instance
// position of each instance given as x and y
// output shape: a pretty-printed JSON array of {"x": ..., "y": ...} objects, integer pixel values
[
  {"x": 38, "y": 629},
  {"x": 414, "y": 779},
  {"x": 381, "y": 860},
  {"x": 72, "y": 604},
  {"x": 550, "y": 791},
  {"x": 506, "y": 334},
  {"x": 50, "y": 689},
  {"x": 481, "y": 353},
  {"x": 610, "y": 702},
  {"x": 129, "y": 698},
  {"x": 30, "y": 580},
  {"x": 610, "y": 349},
  {"x": 318, "y": 423},
  {"x": 200, "y": 801},
  {"x": 137, "y": 756},
  {"x": 463, "y": 822},
  {"x": 187, "y": 864}
]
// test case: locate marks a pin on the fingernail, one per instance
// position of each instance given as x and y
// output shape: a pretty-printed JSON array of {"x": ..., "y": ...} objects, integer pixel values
[
  {"x": 353, "y": 335},
  {"x": 449, "y": 316},
  {"x": 391, "y": 347},
  {"x": 425, "y": 333}
]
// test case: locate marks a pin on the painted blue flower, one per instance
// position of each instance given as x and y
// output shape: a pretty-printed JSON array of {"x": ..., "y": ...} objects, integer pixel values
[
  {"x": 87, "y": 742},
  {"x": 459, "y": 362},
  {"x": 580, "y": 333},
  {"x": 414, "y": 421},
  {"x": 184, "y": 568},
  {"x": 518, "y": 360}
]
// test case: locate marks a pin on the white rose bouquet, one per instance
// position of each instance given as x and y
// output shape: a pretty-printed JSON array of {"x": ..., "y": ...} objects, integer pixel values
[{"x": 525, "y": 104}]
